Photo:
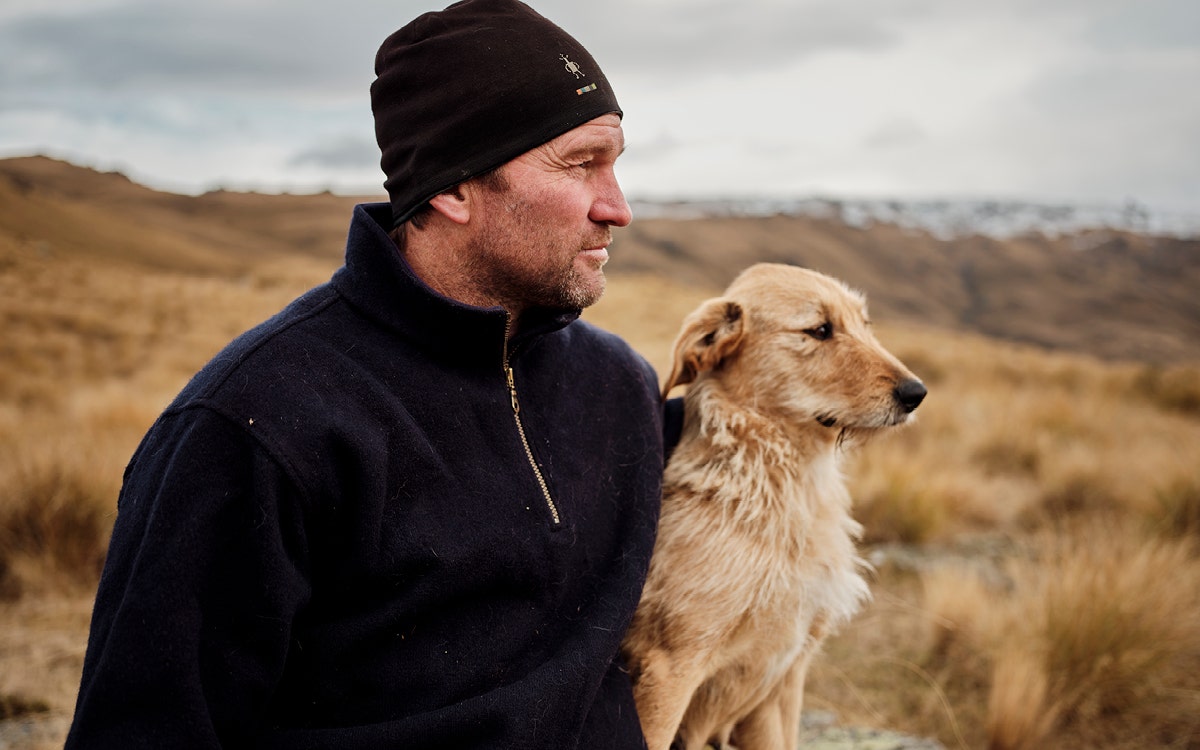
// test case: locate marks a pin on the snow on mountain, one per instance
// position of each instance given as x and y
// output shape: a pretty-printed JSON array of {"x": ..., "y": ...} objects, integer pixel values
[{"x": 946, "y": 219}]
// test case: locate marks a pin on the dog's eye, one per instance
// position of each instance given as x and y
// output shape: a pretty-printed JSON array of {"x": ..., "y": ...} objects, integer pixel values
[{"x": 821, "y": 332}]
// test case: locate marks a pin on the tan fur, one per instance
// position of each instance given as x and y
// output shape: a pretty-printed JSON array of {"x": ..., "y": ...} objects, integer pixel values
[{"x": 755, "y": 561}]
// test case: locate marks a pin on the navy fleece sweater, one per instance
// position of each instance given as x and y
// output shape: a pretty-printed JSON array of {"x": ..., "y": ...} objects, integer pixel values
[{"x": 336, "y": 537}]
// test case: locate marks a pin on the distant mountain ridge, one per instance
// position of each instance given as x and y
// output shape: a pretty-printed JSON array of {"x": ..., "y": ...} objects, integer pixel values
[
  {"x": 1131, "y": 296},
  {"x": 1110, "y": 293},
  {"x": 945, "y": 219}
]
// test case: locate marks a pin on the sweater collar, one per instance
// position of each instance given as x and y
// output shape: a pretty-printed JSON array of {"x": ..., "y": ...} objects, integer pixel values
[{"x": 379, "y": 282}]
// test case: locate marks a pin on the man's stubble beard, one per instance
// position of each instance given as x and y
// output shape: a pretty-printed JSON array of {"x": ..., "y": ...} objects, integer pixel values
[{"x": 524, "y": 266}]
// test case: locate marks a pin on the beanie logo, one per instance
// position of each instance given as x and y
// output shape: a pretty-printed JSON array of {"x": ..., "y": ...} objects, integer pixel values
[
  {"x": 571, "y": 67},
  {"x": 585, "y": 89}
]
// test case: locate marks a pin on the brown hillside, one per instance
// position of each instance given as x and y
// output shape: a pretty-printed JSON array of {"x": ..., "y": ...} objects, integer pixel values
[
  {"x": 1114, "y": 295},
  {"x": 58, "y": 208}
]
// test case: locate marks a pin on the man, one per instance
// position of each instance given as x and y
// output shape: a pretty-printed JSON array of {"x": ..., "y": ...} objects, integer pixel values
[{"x": 415, "y": 509}]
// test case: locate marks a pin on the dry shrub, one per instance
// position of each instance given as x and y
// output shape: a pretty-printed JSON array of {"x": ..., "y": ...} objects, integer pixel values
[
  {"x": 1089, "y": 639},
  {"x": 1174, "y": 389},
  {"x": 1020, "y": 429},
  {"x": 1020, "y": 717},
  {"x": 59, "y": 477},
  {"x": 901, "y": 490},
  {"x": 10, "y": 583},
  {"x": 15, "y": 706},
  {"x": 1075, "y": 494},
  {"x": 1006, "y": 455},
  {"x": 1061, "y": 416},
  {"x": 1085, "y": 478},
  {"x": 1177, "y": 511},
  {"x": 1099, "y": 623},
  {"x": 959, "y": 607},
  {"x": 57, "y": 509},
  {"x": 901, "y": 506}
]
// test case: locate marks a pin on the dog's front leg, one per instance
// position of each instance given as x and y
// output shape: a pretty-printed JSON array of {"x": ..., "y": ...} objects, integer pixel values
[
  {"x": 774, "y": 724},
  {"x": 663, "y": 690}
]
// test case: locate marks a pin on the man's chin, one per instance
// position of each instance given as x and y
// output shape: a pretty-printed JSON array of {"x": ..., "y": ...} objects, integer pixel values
[{"x": 587, "y": 290}]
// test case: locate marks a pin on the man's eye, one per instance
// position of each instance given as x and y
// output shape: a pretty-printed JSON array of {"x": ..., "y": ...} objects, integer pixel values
[{"x": 821, "y": 332}]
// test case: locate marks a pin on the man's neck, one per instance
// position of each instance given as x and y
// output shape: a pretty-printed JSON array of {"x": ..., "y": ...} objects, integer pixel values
[{"x": 443, "y": 268}]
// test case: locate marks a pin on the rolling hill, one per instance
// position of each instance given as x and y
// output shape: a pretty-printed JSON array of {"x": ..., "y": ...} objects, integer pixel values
[{"x": 1112, "y": 294}]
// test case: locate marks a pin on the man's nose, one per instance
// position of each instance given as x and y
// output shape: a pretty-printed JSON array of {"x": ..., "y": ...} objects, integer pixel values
[{"x": 610, "y": 206}]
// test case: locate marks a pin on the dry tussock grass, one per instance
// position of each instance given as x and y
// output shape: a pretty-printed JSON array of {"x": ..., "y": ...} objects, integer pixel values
[
  {"x": 1177, "y": 508},
  {"x": 1092, "y": 639},
  {"x": 58, "y": 509},
  {"x": 1062, "y": 479},
  {"x": 1089, "y": 637},
  {"x": 1174, "y": 389}
]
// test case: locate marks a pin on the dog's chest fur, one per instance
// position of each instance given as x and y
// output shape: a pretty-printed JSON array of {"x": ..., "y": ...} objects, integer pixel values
[{"x": 772, "y": 522}]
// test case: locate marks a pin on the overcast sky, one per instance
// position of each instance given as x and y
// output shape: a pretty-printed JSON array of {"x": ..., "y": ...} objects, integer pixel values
[{"x": 1080, "y": 101}]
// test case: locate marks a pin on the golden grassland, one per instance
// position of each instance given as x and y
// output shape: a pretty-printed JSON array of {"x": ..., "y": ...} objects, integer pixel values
[{"x": 1033, "y": 536}]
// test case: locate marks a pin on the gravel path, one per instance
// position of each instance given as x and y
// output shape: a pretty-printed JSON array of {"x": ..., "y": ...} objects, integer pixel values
[{"x": 821, "y": 732}]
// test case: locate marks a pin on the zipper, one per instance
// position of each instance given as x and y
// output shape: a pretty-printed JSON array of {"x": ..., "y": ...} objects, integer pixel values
[{"x": 516, "y": 408}]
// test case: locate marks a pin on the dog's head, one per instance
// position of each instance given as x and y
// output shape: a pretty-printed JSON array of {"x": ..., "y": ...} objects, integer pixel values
[{"x": 796, "y": 344}]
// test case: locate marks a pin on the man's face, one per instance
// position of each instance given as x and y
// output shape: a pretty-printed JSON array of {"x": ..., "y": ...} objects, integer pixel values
[{"x": 543, "y": 237}]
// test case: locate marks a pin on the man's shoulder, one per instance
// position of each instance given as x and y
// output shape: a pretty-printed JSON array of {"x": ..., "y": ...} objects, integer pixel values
[{"x": 268, "y": 357}]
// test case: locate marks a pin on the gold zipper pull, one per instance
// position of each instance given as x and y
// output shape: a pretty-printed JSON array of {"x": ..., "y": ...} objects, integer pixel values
[{"x": 512, "y": 389}]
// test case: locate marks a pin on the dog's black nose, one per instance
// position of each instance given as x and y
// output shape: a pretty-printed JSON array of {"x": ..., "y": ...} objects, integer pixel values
[{"x": 910, "y": 394}]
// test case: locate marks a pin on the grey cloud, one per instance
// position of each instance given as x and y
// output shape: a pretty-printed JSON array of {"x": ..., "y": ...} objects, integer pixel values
[
  {"x": 1121, "y": 127},
  {"x": 896, "y": 133},
  {"x": 1096, "y": 95},
  {"x": 307, "y": 45},
  {"x": 671, "y": 41},
  {"x": 346, "y": 152},
  {"x": 659, "y": 148},
  {"x": 1149, "y": 24},
  {"x": 302, "y": 45},
  {"x": 209, "y": 46}
]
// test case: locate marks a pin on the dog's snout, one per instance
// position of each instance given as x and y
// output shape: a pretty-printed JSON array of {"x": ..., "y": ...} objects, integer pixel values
[{"x": 910, "y": 394}]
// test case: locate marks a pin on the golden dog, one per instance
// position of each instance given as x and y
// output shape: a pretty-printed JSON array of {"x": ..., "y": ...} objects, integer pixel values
[{"x": 755, "y": 561}]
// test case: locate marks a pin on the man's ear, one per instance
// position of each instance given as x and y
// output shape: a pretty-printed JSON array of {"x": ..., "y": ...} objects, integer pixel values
[
  {"x": 455, "y": 204},
  {"x": 709, "y": 336}
]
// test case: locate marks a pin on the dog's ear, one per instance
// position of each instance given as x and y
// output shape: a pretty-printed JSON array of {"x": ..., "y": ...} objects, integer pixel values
[{"x": 710, "y": 334}]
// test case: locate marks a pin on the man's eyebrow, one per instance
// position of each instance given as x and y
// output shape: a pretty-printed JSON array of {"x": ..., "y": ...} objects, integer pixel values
[{"x": 592, "y": 149}]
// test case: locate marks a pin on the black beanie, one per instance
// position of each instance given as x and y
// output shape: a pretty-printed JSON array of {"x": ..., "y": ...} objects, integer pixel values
[{"x": 466, "y": 89}]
